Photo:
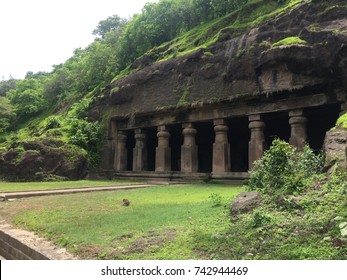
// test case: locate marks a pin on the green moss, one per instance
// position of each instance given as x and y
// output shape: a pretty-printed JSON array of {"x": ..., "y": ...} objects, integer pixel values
[
  {"x": 342, "y": 121},
  {"x": 289, "y": 41},
  {"x": 184, "y": 98}
]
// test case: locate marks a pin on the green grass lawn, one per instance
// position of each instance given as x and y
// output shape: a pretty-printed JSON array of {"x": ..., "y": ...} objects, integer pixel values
[
  {"x": 163, "y": 222},
  {"x": 28, "y": 186},
  {"x": 187, "y": 222}
]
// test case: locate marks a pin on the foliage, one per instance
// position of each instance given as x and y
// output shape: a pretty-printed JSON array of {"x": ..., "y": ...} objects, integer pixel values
[
  {"x": 5, "y": 86},
  {"x": 87, "y": 136},
  {"x": 27, "y": 98},
  {"x": 342, "y": 121},
  {"x": 260, "y": 219},
  {"x": 216, "y": 199},
  {"x": 289, "y": 41},
  {"x": 283, "y": 170},
  {"x": 52, "y": 122},
  {"x": 7, "y": 115},
  {"x": 111, "y": 23}
]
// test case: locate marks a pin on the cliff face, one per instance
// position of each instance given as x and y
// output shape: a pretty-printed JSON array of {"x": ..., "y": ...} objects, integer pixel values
[{"x": 313, "y": 56}]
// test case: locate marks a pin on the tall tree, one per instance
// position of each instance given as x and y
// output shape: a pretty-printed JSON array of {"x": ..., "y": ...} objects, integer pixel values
[{"x": 109, "y": 24}]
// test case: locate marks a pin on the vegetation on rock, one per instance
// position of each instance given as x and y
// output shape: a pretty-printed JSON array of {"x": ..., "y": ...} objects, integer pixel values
[{"x": 289, "y": 41}]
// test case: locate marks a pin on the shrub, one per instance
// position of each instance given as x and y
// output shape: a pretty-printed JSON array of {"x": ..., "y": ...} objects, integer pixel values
[
  {"x": 216, "y": 199},
  {"x": 52, "y": 122},
  {"x": 260, "y": 219},
  {"x": 283, "y": 170}
]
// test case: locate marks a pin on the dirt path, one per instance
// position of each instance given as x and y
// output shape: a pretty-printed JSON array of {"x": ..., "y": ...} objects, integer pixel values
[{"x": 21, "y": 194}]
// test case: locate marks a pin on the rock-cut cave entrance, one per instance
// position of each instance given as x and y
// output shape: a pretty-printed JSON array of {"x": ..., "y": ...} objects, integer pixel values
[
  {"x": 239, "y": 136},
  {"x": 204, "y": 140},
  {"x": 130, "y": 144},
  {"x": 319, "y": 121},
  {"x": 152, "y": 143},
  {"x": 176, "y": 141}
]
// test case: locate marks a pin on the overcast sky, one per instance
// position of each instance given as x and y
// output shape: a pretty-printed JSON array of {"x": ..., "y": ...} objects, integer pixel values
[{"x": 36, "y": 34}]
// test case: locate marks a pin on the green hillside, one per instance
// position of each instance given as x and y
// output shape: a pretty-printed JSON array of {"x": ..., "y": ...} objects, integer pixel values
[{"x": 54, "y": 105}]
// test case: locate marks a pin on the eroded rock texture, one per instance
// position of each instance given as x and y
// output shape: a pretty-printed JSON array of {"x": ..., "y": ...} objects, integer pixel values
[{"x": 238, "y": 66}]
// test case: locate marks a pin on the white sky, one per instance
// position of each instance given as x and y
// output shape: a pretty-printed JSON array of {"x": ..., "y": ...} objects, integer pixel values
[{"x": 35, "y": 34}]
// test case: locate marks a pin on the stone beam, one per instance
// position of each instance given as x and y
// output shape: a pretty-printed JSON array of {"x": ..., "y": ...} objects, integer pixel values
[{"x": 254, "y": 106}]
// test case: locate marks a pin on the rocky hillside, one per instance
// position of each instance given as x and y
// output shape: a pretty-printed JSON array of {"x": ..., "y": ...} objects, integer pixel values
[
  {"x": 306, "y": 42},
  {"x": 261, "y": 48}
]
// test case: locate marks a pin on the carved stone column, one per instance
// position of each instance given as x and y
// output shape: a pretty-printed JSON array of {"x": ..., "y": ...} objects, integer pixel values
[
  {"x": 256, "y": 145},
  {"x": 189, "y": 150},
  {"x": 121, "y": 152},
  {"x": 298, "y": 135},
  {"x": 140, "y": 151},
  {"x": 163, "y": 151},
  {"x": 221, "y": 148}
]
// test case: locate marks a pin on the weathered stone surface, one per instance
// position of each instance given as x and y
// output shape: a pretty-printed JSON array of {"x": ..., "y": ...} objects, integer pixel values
[
  {"x": 245, "y": 202},
  {"x": 335, "y": 149},
  {"x": 241, "y": 65},
  {"x": 35, "y": 160}
]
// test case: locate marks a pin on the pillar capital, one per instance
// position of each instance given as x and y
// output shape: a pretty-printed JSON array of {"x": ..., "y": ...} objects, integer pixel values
[
  {"x": 296, "y": 113},
  {"x": 255, "y": 117},
  {"x": 219, "y": 122},
  {"x": 256, "y": 125},
  {"x": 221, "y": 128},
  {"x": 121, "y": 137}
]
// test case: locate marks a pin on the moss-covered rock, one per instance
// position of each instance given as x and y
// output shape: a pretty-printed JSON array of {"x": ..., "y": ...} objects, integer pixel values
[
  {"x": 335, "y": 146},
  {"x": 40, "y": 159}
]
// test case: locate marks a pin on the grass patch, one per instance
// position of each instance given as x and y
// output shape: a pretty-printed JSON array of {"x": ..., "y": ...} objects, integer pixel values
[
  {"x": 160, "y": 223},
  {"x": 190, "y": 222},
  {"x": 289, "y": 41},
  {"x": 29, "y": 186},
  {"x": 342, "y": 121}
]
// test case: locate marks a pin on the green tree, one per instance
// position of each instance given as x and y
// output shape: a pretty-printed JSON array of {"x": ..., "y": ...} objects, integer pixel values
[
  {"x": 27, "y": 98},
  {"x": 111, "y": 23},
  {"x": 5, "y": 86},
  {"x": 7, "y": 114}
]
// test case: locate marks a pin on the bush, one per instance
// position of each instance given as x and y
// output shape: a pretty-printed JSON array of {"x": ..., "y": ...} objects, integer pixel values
[
  {"x": 52, "y": 122},
  {"x": 283, "y": 170}
]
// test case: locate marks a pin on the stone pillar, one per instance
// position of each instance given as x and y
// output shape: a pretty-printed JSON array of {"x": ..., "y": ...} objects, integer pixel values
[
  {"x": 121, "y": 152},
  {"x": 140, "y": 151},
  {"x": 221, "y": 148},
  {"x": 163, "y": 151},
  {"x": 189, "y": 149},
  {"x": 256, "y": 145},
  {"x": 298, "y": 135}
]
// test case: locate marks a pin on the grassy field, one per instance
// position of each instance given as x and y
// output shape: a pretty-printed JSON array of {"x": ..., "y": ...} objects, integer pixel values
[
  {"x": 164, "y": 222},
  {"x": 26, "y": 186},
  {"x": 188, "y": 222}
]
